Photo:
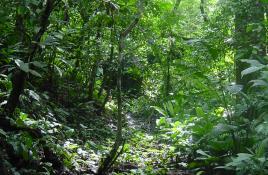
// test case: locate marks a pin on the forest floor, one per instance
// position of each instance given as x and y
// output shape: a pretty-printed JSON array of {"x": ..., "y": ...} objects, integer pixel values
[
  {"x": 81, "y": 138},
  {"x": 143, "y": 153}
]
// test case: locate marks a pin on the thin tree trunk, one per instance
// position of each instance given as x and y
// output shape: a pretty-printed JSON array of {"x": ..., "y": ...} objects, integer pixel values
[
  {"x": 168, "y": 72},
  {"x": 20, "y": 76},
  {"x": 113, "y": 155},
  {"x": 106, "y": 99},
  {"x": 94, "y": 69},
  {"x": 93, "y": 75},
  {"x": 203, "y": 12},
  {"x": 167, "y": 85},
  {"x": 106, "y": 68}
]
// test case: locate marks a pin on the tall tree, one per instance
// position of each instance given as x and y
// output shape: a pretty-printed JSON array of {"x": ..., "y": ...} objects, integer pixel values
[
  {"x": 170, "y": 57},
  {"x": 95, "y": 66},
  {"x": 19, "y": 76},
  {"x": 113, "y": 154}
]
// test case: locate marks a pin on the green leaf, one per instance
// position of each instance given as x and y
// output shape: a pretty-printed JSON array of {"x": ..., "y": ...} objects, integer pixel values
[
  {"x": 259, "y": 83},
  {"x": 200, "y": 112},
  {"x": 243, "y": 156},
  {"x": 59, "y": 70},
  {"x": 3, "y": 75},
  {"x": 160, "y": 110},
  {"x": 255, "y": 63},
  {"x": 22, "y": 66},
  {"x": 202, "y": 153},
  {"x": 34, "y": 95},
  {"x": 3, "y": 103},
  {"x": 223, "y": 128},
  {"x": 33, "y": 72},
  {"x": 38, "y": 64},
  {"x": 200, "y": 172},
  {"x": 251, "y": 70},
  {"x": 2, "y": 132},
  {"x": 161, "y": 121},
  {"x": 170, "y": 109},
  {"x": 23, "y": 116}
]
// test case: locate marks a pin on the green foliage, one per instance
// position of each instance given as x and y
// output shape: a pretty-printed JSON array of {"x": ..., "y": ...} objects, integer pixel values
[
  {"x": 194, "y": 88},
  {"x": 246, "y": 163}
]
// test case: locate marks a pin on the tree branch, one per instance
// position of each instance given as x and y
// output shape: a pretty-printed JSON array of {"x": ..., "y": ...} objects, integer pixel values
[
  {"x": 44, "y": 22},
  {"x": 130, "y": 27},
  {"x": 133, "y": 24},
  {"x": 202, "y": 9}
]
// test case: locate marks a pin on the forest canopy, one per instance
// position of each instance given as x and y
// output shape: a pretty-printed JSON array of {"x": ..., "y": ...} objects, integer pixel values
[{"x": 146, "y": 87}]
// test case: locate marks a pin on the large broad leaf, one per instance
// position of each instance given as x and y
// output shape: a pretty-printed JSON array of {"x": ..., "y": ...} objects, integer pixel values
[
  {"x": 169, "y": 108},
  {"x": 262, "y": 128},
  {"x": 264, "y": 74},
  {"x": 202, "y": 153},
  {"x": 58, "y": 70},
  {"x": 2, "y": 132},
  {"x": 23, "y": 66},
  {"x": 33, "y": 72},
  {"x": 259, "y": 83},
  {"x": 240, "y": 159},
  {"x": 255, "y": 63},
  {"x": 38, "y": 64},
  {"x": 3, "y": 75},
  {"x": 34, "y": 95},
  {"x": 160, "y": 110},
  {"x": 251, "y": 70},
  {"x": 223, "y": 128}
]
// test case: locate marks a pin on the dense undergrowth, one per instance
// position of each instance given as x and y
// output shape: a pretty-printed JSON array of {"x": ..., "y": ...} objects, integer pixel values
[
  {"x": 133, "y": 87},
  {"x": 193, "y": 140}
]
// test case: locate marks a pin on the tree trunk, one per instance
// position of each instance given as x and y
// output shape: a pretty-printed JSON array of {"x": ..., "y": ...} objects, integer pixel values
[
  {"x": 203, "y": 12},
  {"x": 94, "y": 69},
  {"x": 18, "y": 81},
  {"x": 106, "y": 67},
  {"x": 167, "y": 84},
  {"x": 168, "y": 72},
  {"x": 92, "y": 81},
  {"x": 114, "y": 153},
  {"x": 105, "y": 166},
  {"x": 20, "y": 76}
]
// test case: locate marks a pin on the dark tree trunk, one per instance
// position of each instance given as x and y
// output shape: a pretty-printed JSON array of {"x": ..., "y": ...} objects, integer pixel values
[
  {"x": 18, "y": 82},
  {"x": 20, "y": 76},
  {"x": 168, "y": 76}
]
